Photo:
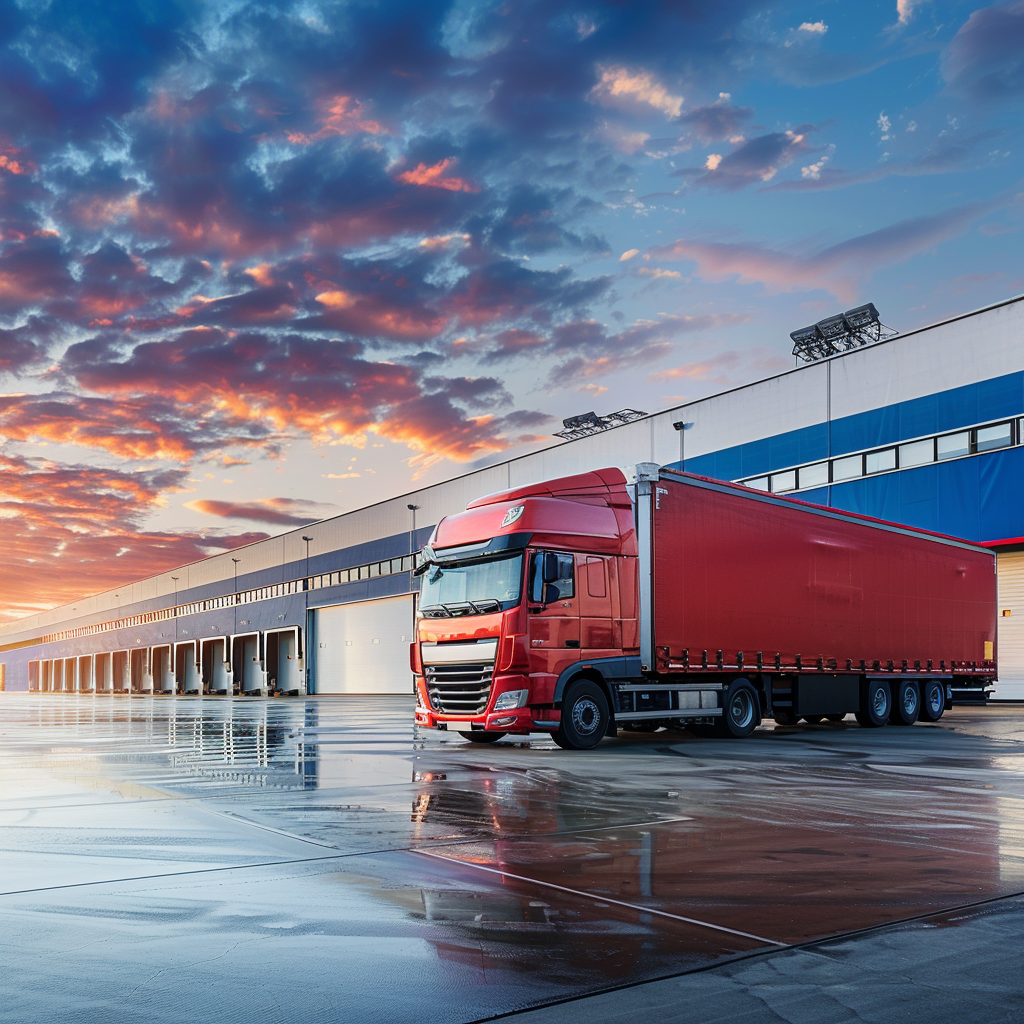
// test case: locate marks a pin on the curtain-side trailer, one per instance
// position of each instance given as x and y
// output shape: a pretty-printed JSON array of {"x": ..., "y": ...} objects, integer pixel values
[{"x": 582, "y": 605}]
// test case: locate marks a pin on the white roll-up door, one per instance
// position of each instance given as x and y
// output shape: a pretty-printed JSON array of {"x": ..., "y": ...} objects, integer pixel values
[
  {"x": 1010, "y": 651},
  {"x": 364, "y": 647}
]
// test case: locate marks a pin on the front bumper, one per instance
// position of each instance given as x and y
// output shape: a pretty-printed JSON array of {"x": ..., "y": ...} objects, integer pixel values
[{"x": 514, "y": 720}]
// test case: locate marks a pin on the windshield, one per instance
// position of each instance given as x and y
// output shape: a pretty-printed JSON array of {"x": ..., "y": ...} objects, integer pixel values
[{"x": 472, "y": 589}]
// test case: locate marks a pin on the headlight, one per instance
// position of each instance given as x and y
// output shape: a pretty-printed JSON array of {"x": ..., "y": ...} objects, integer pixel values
[{"x": 511, "y": 699}]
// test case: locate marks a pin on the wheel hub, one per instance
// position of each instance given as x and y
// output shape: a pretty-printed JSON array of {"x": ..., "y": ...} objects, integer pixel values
[{"x": 586, "y": 716}]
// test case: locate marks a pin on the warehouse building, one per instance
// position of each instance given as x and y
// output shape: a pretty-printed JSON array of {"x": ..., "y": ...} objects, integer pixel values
[{"x": 926, "y": 428}]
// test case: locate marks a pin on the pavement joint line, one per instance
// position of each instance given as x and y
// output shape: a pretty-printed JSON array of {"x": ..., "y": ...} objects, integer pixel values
[
  {"x": 603, "y": 899},
  {"x": 807, "y": 945}
]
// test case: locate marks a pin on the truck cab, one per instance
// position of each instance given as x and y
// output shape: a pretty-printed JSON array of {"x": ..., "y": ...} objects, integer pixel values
[{"x": 517, "y": 592}]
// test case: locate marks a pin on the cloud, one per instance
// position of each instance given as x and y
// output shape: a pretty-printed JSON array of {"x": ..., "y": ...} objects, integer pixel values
[
  {"x": 840, "y": 269},
  {"x": 618, "y": 86},
  {"x": 818, "y": 27},
  {"x": 325, "y": 389},
  {"x": 719, "y": 120},
  {"x": 756, "y": 160},
  {"x": 71, "y": 529},
  {"x": 436, "y": 176},
  {"x": 628, "y": 255},
  {"x": 985, "y": 59},
  {"x": 276, "y": 511},
  {"x": 725, "y": 368},
  {"x": 905, "y": 10}
]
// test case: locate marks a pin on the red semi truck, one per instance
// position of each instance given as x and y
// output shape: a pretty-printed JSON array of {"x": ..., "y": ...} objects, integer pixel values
[{"x": 584, "y": 605}]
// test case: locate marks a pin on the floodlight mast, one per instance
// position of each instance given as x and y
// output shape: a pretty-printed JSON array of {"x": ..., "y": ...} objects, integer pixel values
[
  {"x": 840, "y": 333},
  {"x": 590, "y": 423}
]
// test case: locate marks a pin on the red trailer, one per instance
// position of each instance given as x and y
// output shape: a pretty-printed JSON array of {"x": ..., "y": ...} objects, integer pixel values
[{"x": 582, "y": 605}]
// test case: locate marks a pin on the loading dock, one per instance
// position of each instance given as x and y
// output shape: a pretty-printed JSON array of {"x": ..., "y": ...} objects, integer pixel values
[
  {"x": 33, "y": 676},
  {"x": 363, "y": 647},
  {"x": 103, "y": 670},
  {"x": 187, "y": 676},
  {"x": 246, "y": 667},
  {"x": 141, "y": 680},
  {"x": 283, "y": 660},
  {"x": 70, "y": 675},
  {"x": 216, "y": 666},
  {"x": 120, "y": 671},
  {"x": 162, "y": 669},
  {"x": 85, "y": 668},
  {"x": 57, "y": 678}
]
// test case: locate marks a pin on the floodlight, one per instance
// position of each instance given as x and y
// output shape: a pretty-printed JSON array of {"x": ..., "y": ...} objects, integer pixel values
[
  {"x": 590, "y": 423},
  {"x": 840, "y": 333},
  {"x": 861, "y": 316}
]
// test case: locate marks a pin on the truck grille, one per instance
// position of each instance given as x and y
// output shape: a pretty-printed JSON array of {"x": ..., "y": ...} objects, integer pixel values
[{"x": 459, "y": 689}]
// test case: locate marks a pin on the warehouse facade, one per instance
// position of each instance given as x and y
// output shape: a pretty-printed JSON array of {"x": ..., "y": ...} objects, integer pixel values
[{"x": 926, "y": 428}]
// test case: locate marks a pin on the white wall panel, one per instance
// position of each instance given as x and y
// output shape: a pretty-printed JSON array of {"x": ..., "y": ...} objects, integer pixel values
[
  {"x": 364, "y": 647},
  {"x": 1010, "y": 649}
]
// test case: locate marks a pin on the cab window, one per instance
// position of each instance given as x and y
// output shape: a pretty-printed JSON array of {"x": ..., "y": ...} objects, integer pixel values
[{"x": 551, "y": 569}]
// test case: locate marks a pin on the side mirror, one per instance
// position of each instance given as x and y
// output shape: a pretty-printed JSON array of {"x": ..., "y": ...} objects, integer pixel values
[
  {"x": 551, "y": 593},
  {"x": 550, "y": 569}
]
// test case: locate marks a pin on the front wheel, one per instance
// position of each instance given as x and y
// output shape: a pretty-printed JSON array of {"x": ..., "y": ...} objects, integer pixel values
[
  {"x": 482, "y": 737},
  {"x": 933, "y": 701},
  {"x": 585, "y": 716},
  {"x": 740, "y": 710}
]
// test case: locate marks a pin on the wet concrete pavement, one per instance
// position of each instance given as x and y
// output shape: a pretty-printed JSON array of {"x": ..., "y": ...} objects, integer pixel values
[{"x": 208, "y": 860}]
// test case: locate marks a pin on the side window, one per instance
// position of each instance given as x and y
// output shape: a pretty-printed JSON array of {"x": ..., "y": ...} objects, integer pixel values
[
  {"x": 596, "y": 585},
  {"x": 550, "y": 568},
  {"x": 565, "y": 584}
]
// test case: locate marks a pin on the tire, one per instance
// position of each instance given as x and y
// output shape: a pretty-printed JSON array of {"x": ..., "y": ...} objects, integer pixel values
[
  {"x": 740, "y": 711},
  {"x": 585, "y": 716},
  {"x": 482, "y": 737},
  {"x": 877, "y": 704},
  {"x": 933, "y": 701},
  {"x": 814, "y": 719},
  {"x": 783, "y": 716},
  {"x": 907, "y": 706}
]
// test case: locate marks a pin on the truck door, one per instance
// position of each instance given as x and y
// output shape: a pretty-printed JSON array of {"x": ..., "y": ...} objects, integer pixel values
[
  {"x": 554, "y": 605},
  {"x": 595, "y": 605}
]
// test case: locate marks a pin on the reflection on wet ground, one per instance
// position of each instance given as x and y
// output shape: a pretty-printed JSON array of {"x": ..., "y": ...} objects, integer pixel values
[{"x": 195, "y": 859}]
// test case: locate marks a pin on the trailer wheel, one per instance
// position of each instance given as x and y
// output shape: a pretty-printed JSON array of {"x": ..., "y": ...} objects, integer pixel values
[
  {"x": 584, "y": 716},
  {"x": 933, "y": 701},
  {"x": 739, "y": 711},
  {"x": 907, "y": 705},
  {"x": 877, "y": 704},
  {"x": 784, "y": 716},
  {"x": 482, "y": 737}
]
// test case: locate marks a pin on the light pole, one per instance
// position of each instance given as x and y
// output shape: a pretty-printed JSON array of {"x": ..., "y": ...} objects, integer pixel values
[
  {"x": 682, "y": 428},
  {"x": 305, "y": 584},
  {"x": 412, "y": 533},
  {"x": 175, "y": 578},
  {"x": 234, "y": 599}
]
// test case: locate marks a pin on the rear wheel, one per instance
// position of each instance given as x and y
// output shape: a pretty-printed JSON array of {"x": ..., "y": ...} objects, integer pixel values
[
  {"x": 585, "y": 716},
  {"x": 933, "y": 701},
  {"x": 907, "y": 705},
  {"x": 482, "y": 737},
  {"x": 877, "y": 704},
  {"x": 740, "y": 710}
]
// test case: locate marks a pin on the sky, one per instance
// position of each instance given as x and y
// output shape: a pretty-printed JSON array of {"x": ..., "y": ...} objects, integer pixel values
[{"x": 263, "y": 263}]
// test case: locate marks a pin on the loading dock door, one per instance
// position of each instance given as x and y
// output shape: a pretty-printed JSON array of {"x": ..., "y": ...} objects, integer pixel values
[
  {"x": 1010, "y": 649},
  {"x": 364, "y": 647}
]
